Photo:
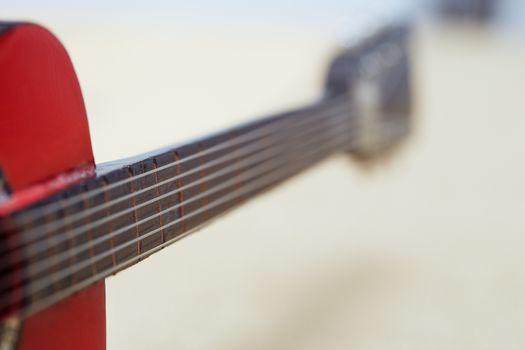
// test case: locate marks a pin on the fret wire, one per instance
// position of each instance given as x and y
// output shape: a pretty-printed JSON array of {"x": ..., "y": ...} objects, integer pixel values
[
  {"x": 80, "y": 230},
  {"x": 83, "y": 264},
  {"x": 158, "y": 201},
  {"x": 146, "y": 208},
  {"x": 134, "y": 203},
  {"x": 110, "y": 224},
  {"x": 51, "y": 253},
  {"x": 70, "y": 241},
  {"x": 180, "y": 193},
  {"x": 43, "y": 265},
  {"x": 202, "y": 174},
  {"x": 333, "y": 143},
  {"x": 87, "y": 221},
  {"x": 36, "y": 232},
  {"x": 36, "y": 213}
]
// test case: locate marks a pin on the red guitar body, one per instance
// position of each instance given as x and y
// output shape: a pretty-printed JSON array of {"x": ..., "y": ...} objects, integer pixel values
[{"x": 45, "y": 146}]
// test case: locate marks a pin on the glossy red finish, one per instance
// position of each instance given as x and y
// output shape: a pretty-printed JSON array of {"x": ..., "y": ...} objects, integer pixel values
[
  {"x": 76, "y": 323},
  {"x": 44, "y": 147},
  {"x": 43, "y": 123}
]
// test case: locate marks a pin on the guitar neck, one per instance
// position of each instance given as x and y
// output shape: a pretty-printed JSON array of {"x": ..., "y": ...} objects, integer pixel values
[
  {"x": 99, "y": 227},
  {"x": 130, "y": 209}
]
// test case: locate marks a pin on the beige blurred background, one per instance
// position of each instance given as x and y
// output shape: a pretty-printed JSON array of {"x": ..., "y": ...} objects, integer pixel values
[{"x": 423, "y": 251}]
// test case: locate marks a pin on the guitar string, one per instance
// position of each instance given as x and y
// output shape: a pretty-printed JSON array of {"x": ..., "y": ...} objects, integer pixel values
[
  {"x": 183, "y": 218},
  {"x": 68, "y": 271},
  {"x": 334, "y": 142},
  {"x": 184, "y": 203},
  {"x": 37, "y": 233},
  {"x": 36, "y": 213},
  {"x": 55, "y": 297},
  {"x": 144, "y": 237},
  {"x": 50, "y": 208},
  {"x": 63, "y": 256},
  {"x": 41, "y": 232}
]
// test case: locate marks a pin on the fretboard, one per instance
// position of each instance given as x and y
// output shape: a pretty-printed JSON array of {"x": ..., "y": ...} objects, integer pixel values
[{"x": 95, "y": 229}]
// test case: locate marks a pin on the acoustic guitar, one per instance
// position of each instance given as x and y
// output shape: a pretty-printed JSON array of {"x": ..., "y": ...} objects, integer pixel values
[{"x": 67, "y": 223}]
